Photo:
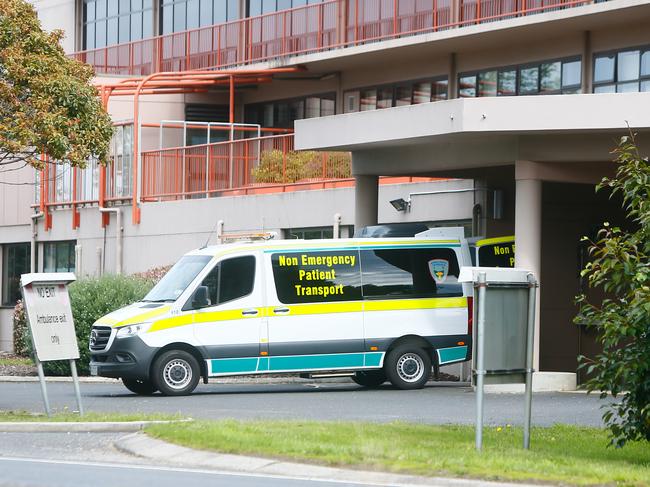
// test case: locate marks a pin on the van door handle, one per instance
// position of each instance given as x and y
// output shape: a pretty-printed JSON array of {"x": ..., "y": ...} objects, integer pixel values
[
  {"x": 280, "y": 311},
  {"x": 249, "y": 312}
]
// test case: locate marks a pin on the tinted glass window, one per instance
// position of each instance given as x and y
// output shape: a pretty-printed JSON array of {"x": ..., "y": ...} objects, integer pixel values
[
  {"x": 528, "y": 80},
  {"x": 497, "y": 255},
  {"x": 507, "y": 83},
  {"x": 317, "y": 277},
  {"x": 409, "y": 273},
  {"x": 487, "y": 83},
  {"x": 604, "y": 68},
  {"x": 16, "y": 262},
  {"x": 550, "y": 77},
  {"x": 230, "y": 279}
]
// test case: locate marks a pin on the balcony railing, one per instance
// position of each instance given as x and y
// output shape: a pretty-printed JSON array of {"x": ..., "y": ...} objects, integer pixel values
[
  {"x": 311, "y": 28},
  {"x": 213, "y": 169},
  {"x": 223, "y": 168}
]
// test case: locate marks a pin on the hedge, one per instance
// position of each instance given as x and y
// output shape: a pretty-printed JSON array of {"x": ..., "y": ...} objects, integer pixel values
[{"x": 90, "y": 298}]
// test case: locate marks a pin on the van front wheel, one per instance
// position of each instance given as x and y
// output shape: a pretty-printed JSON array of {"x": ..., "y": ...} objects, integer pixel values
[
  {"x": 176, "y": 373},
  {"x": 408, "y": 367}
]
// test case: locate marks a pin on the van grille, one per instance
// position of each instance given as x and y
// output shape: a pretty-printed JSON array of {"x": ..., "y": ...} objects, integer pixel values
[{"x": 99, "y": 337}]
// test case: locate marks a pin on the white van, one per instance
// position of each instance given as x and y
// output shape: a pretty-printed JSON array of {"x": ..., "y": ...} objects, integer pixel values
[{"x": 378, "y": 309}]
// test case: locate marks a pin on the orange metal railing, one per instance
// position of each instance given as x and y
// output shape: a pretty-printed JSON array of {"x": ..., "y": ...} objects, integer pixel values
[
  {"x": 311, "y": 28},
  {"x": 210, "y": 169}
]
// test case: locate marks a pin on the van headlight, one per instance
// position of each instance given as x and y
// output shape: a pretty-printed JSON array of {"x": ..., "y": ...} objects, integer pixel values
[{"x": 132, "y": 330}]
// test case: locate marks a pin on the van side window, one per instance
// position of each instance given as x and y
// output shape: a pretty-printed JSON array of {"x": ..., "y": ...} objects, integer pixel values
[
  {"x": 410, "y": 273},
  {"x": 231, "y": 279},
  {"x": 317, "y": 277}
]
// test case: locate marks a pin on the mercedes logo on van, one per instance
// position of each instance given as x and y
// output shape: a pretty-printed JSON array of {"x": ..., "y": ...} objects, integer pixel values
[{"x": 93, "y": 338}]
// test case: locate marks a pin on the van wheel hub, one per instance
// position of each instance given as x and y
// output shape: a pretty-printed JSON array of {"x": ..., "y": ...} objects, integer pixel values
[
  {"x": 410, "y": 367},
  {"x": 177, "y": 373}
]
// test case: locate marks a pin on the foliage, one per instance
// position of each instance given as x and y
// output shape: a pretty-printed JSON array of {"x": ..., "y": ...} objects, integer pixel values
[
  {"x": 91, "y": 299},
  {"x": 47, "y": 103},
  {"x": 566, "y": 455},
  {"x": 621, "y": 268},
  {"x": 277, "y": 168},
  {"x": 153, "y": 275},
  {"x": 22, "y": 346}
]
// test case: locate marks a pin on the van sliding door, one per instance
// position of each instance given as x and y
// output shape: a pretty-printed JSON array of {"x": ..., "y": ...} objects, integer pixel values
[{"x": 315, "y": 310}]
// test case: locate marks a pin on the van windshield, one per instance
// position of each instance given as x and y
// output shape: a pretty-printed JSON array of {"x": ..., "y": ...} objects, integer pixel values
[{"x": 177, "y": 279}]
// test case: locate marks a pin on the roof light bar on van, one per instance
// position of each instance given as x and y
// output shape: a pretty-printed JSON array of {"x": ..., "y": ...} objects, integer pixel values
[{"x": 248, "y": 237}]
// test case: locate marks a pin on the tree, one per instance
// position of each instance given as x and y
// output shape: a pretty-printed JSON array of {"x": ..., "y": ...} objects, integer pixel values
[
  {"x": 621, "y": 268},
  {"x": 47, "y": 104}
]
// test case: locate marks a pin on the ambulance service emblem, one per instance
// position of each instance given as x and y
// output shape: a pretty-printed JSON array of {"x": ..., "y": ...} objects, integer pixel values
[{"x": 439, "y": 269}]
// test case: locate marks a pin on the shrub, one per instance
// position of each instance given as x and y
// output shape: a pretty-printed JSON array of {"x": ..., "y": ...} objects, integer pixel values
[
  {"x": 621, "y": 268},
  {"x": 90, "y": 299},
  {"x": 22, "y": 345},
  {"x": 300, "y": 165}
]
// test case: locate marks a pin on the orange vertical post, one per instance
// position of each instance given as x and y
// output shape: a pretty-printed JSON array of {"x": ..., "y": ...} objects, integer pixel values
[
  {"x": 395, "y": 9},
  {"x": 284, "y": 159},
  {"x": 75, "y": 211}
]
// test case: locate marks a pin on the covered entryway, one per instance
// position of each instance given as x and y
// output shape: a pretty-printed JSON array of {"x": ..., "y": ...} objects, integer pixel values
[{"x": 543, "y": 155}]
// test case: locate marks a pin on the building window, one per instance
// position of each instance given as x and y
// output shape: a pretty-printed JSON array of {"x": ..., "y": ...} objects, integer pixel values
[
  {"x": 180, "y": 15},
  {"x": 259, "y": 7},
  {"x": 552, "y": 77},
  {"x": 108, "y": 22},
  {"x": 15, "y": 262},
  {"x": 59, "y": 256},
  {"x": 625, "y": 71},
  {"x": 395, "y": 95},
  {"x": 309, "y": 233},
  {"x": 283, "y": 113}
]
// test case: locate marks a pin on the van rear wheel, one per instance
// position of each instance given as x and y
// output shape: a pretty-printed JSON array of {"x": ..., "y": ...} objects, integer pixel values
[
  {"x": 138, "y": 386},
  {"x": 408, "y": 367},
  {"x": 369, "y": 378},
  {"x": 176, "y": 373}
]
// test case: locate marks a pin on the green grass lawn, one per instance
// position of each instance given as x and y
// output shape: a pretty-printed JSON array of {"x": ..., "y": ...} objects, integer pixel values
[
  {"x": 559, "y": 454},
  {"x": 69, "y": 416}
]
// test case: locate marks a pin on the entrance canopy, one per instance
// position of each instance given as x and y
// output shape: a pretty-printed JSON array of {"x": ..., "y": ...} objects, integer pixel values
[{"x": 447, "y": 136}]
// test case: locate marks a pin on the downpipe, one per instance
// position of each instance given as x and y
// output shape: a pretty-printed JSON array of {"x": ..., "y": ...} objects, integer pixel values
[{"x": 32, "y": 262}]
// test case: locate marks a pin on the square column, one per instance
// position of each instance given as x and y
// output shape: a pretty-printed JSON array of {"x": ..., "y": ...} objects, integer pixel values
[
  {"x": 366, "y": 194},
  {"x": 528, "y": 234}
]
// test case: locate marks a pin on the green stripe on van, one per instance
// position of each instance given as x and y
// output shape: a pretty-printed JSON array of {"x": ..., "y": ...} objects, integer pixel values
[
  {"x": 451, "y": 354},
  {"x": 251, "y": 365}
]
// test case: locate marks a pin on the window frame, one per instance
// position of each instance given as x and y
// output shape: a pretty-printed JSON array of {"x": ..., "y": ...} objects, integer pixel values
[
  {"x": 5, "y": 299},
  {"x": 56, "y": 245},
  {"x": 394, "y": 86},
  {"x": 614, "y": 82},
  {"x": 259, "y": 108},
  {"x": 218, "y": 267},
  {"x": 517, "y": 69}
]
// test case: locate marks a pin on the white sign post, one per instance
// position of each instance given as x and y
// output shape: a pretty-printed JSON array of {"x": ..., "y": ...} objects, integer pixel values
[{"x": 51, "y": 326}]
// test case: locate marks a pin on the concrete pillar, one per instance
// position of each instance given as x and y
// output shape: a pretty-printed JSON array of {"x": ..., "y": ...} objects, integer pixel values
[
  {"x": 587, "y": 63},
  {"x": 452, "y": 82},
  {"x": 528, "y": 236},
  {"x": 366, "y": 195}
]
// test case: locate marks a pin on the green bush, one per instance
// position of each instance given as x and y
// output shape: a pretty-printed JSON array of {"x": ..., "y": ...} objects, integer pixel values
[
  {"x": 90, "y": 298},
  {"x": 621, "y": 269},
  {"x": 22, "y": 345},
  {"x": 300, "y": 165}
]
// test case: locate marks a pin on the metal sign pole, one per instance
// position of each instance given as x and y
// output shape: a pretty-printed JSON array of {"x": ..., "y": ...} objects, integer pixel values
[
  {"x": 75, "y": 380},
  {"x": 480, "y": 359},
  {"x": 532, "y": 292},
  {"x": 39, "y": 365},
  {"x": 41, "y": 379}
]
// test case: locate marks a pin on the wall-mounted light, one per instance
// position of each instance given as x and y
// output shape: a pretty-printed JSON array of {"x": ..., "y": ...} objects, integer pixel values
[{"x": 401, "y": 204}]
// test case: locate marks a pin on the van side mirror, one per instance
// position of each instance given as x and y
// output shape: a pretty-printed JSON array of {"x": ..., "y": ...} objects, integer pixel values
[{"x": 201, "y": 297}]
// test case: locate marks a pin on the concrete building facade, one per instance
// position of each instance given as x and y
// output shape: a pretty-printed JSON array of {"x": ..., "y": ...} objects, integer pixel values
[{"x": 516, "y": 103}]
